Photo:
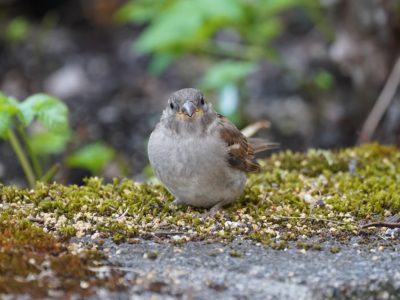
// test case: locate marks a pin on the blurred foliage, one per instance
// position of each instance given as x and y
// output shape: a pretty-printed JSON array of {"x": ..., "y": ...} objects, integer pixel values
[
  {"x": 323, "y": 80},
  {"x": 92, "y": 157},
  {"x": 38, "y": 127},
  {"x": 226, "y": 72},
  {"x": 246, "y": 28},
  {"x": 21, "y": 28},
  {"x": 45, "y": 142},
  {"x": 17, "y": 30},
  {"x": 235, "y": 35}
]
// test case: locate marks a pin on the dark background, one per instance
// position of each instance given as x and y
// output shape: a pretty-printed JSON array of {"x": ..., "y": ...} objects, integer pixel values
[{"x": 326, "y": 71}]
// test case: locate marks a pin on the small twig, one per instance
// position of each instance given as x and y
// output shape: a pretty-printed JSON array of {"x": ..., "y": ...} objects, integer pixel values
[
  {"x": 312, "y": 219},
  {"x": 381, "y": 104},
  {"x": 252, "y": 129},
  {"x": 381, "y": 224},
  {"x": 124, "y": 213}
]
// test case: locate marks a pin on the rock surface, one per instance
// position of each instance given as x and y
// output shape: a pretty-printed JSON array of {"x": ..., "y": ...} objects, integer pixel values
[{"x": 246, "y": 270}]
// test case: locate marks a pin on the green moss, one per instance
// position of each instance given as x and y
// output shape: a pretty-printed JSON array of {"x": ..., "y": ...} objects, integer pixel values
[
  {"x": 297, "y": 194},
  {"x": 334, "y": 249},
  {"x": 118, "y": 238},
  {"x": 282, "y": 245},
  {"x": 153, "y": 255},
  {"x": 316, "y": 247},
  {"x": 178, "y": 243},
  {"x": 308, "y": 246},
  {"x": 68, "y": 231},
  {"x": 235, "y": 254}
]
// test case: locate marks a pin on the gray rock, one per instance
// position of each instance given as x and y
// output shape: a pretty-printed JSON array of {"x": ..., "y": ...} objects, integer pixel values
[{"x": 201, "y": 270}]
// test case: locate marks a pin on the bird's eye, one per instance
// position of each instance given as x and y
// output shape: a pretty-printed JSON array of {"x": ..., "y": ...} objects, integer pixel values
[
  {"x": 202, "y": 101},
  {"x": 171, "y": 105}
]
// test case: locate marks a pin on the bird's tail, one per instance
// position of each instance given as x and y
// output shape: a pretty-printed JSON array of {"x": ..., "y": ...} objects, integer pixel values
[{"x": 260, "y": 145}]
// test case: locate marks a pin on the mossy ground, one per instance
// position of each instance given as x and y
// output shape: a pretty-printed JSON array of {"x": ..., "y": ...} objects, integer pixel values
[
  {"x": 34, "y": 263},
  {"x": 318, "y": 193}
]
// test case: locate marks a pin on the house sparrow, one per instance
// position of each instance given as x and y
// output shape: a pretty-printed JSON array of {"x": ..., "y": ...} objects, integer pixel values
[{"x": 199, "y": 155}]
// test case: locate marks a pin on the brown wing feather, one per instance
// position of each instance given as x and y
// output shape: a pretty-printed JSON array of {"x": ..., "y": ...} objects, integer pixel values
[
  {"x": 260, "y": 145},
  {"x": 240, "y": 153}
]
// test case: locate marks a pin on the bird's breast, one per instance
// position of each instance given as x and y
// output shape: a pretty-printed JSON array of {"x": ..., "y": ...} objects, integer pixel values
[
  {"x": 194, "y": 168},
  {"x": 187, "y": 157}
]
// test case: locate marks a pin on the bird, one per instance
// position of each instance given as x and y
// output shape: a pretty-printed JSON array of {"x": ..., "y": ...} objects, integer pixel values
[{"x": 199, "y": 155}]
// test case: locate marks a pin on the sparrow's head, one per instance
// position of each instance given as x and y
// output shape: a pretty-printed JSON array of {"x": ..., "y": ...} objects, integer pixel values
[
  {"x": 187, "y": 104},
  {"x": 187, "y": 109}
]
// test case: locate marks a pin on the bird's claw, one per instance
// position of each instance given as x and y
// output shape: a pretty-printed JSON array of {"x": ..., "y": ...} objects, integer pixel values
[
  {"x": 176, "y": 201},
  {"x": 213, "y": 210}
]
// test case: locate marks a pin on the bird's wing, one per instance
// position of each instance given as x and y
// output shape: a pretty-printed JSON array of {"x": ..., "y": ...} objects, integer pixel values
[{"x": 240, "y": 151}]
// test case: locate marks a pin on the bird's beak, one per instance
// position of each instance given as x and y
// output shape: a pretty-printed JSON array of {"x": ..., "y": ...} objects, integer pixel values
[{"x": 188, "y": 108}]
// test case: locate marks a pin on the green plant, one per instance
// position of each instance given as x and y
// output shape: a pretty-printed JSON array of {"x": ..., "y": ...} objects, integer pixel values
[
  {"x": 51, "y": 135},
  {"x": 16, "y": 116}
]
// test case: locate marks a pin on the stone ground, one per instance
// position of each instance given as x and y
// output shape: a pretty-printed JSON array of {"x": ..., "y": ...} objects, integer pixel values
[{"x": 246, "y": 270}]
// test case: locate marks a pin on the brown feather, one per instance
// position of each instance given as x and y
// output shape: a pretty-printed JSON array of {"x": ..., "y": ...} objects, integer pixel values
[
  {"x": 260, "y": 145},
  {"x": 240, "y": 151}
]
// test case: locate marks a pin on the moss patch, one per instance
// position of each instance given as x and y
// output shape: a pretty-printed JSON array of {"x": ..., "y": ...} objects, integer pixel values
[
  {"x": 296, "y": 195},
  {"x": 34, "y": 263},
  {"x": 317, "y": 194}
]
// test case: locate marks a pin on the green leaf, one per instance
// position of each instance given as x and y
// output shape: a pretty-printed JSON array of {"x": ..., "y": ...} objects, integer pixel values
[
  {"x": 50, "y": 111},
  {"x": 92, "y": 157},
  {"x": 139, "y": 11},
  {"x": 46, "y": 142},
  {"x": 3, "y": 98},
  {"x": 225, "y": 73},
  {"x": 5, "y": 123},
  {"x": 187, "y": 24},
  {"x": 8, "y": 108},
  {"x": 8, "y": 104}
]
